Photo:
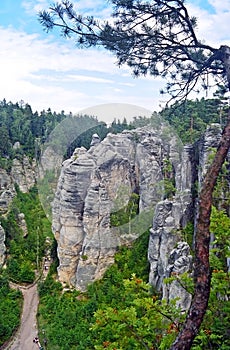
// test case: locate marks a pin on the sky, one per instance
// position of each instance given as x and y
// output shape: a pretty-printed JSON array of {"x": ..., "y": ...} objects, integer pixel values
[{"x": 48, "y": 71}]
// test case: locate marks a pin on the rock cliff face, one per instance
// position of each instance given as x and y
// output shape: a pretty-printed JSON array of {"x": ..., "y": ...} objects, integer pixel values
[
  {"x": 23, "y": 173},
  {"x": 171, "y": 215},
  {"x": 168, "y": 254},
  {"x": 207, "y": 144},
  {"x": 2, "y": 246},
  {"x": 7, "y": 192},
  {"x": 95, "y": 183}
]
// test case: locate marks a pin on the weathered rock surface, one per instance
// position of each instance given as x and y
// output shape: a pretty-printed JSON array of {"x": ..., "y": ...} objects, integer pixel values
[
  {"x": 164, "y": 235},
  {"x": 206, "y": 146},
  {"x": 2, "y": 246},
  {"x": 95, "y": 140},
  {"x": 169, "y": 256},
  {"x": 97, "y": 182},
  {"x": 170, "y": 216},
  {"x": 7, "y": 191},
  {"x": 179, "y": 262},
  {"x": 22, "y": 224},
  {"x": 24, "y": 173}
]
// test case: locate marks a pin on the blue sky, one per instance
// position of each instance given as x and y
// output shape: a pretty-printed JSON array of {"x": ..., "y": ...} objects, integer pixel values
[{"x": 45, "y": 70}]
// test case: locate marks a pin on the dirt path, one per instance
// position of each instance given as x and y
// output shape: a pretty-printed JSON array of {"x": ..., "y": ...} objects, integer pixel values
[
  {"x": 28, "y": 328},
  {"x": 23, "y": 340}
]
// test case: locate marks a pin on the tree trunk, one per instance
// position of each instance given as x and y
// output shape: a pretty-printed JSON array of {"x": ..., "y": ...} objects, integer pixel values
[{"x": 202, "y": 275}]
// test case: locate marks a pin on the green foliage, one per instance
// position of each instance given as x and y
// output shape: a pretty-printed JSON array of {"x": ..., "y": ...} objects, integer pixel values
[
  {"x": 220, "y": 227},
  {"x": 126, "y": 213},
  {"x": 10, "y": 309},
  {"x": 126, "y": 258},
  {"x": 84, "y": 138},
  {"x": 118, "y": 126},
  {"x": 20, "y": 124},
  {"x": 214, "y": 333},
  {"x": 47, "y": 185},
  {"x": 141, "y": 322},
  {"x": 188, "y": 234},
  {"x": 184, "y": 280},
  {"x": 25, "y": 252},
  {"x": 190, "y": 118},
  {"x": 67, "y": 317},
  {"x": 125, "y": 313},
  {"x": 221, "y": 193},
  {"x": 20, "y": 270},
  {"x": 166, "y": 186}
]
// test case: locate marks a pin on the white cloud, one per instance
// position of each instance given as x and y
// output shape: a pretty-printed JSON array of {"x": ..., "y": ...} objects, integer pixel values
[
  {"x": 87, "y": 7},
  {"x": 52, "y": 73},
  {"x": 220, "y": 6},
  {"x": 34, "y": 6},
  {"x": 34, "y": 53},
  {"x": 67, "y": 78},
  {"x": 45, "y": 73},
  {"x": 84, "y": 78},
  {"x": 213, "y": 27},
  {"x": 22, "y": 54},
  {"x": 127, "y": 84}
]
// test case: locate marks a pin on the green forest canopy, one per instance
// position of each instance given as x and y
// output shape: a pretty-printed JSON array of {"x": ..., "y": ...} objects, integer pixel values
[{"x": 18, "y": 123}]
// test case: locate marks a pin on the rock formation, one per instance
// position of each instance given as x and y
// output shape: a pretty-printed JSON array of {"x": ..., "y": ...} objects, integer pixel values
[
  {"x": 168, "y": 255},
  {"x": 149, "y": 162},
  {"x": 95, "y": 140},
  {"x": 95, "y": 183},
  {"x": 7, "y": 191},
  {"x": 22, "y": 224},
  {"x": 207, "y": 144},
  {"x": 2, "y": 246},
  {"x": 23, "y": 173},
  {"x": 179, "y": 262}
]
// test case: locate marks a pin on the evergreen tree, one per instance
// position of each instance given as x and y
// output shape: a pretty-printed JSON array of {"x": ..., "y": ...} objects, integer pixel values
[{"x": 159, "y": 37}]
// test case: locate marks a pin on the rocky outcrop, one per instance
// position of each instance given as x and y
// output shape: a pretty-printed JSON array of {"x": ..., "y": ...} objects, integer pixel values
[
  {"x": 23, "y": 173},
  {"x": 206, "y": 147},
  {"x": 95, "y": 140},
  {"x": 22, "y": 224},
  {"x": 179, "y": 262},
  {"x": 169, "y": 218},
  {"x": 169, "y": 256},
  {"x": 171, "y": 215},
  {"x": 95, "y": 183},
  {"x": 2, "y": 246},
  {"x": 7, "y": 191}
]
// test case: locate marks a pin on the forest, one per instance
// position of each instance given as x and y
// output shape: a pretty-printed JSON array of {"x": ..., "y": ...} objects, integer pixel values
[
  {"x": 18, "y": 123},
  {"x": 121, "y": 311}
]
